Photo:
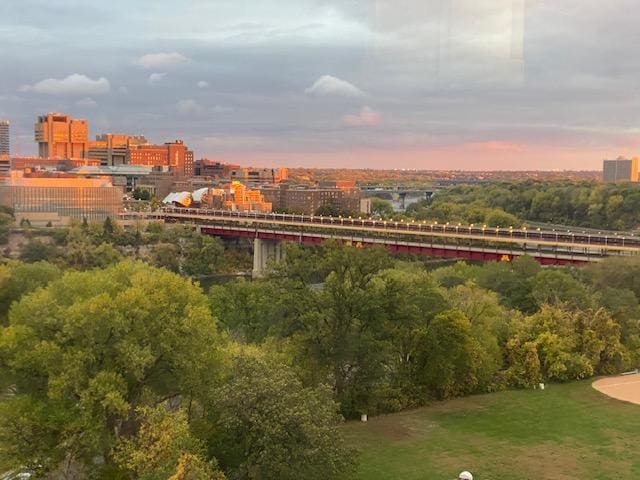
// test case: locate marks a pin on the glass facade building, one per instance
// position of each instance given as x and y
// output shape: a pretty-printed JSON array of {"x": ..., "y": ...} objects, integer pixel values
[{"x": 62, "y": 199}]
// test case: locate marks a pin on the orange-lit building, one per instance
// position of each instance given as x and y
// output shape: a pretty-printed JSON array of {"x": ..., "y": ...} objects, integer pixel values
[
  {"x": 112, "y": 149},
  {"x": 57, "y": 197},
  {"x": 59, "y": 135},
  {"x": 210, "y": 168},
  {"x": 235, "y": 197},
  {"x": 175, "y": 156},
  {"x": 61, "y": 163}
]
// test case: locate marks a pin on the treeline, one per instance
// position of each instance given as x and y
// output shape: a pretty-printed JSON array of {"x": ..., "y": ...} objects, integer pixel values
[
  {"x": 178, "y": 248},
  {"x": 129, "y": 371},
  {"x": 582, "y": 204},
  {"x": 123, "y": 373},
  {"x": 387, "y": 335}
]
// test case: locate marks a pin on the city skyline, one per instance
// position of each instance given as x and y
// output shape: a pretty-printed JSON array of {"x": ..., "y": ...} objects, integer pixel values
[{"x": 448, "y": 84}]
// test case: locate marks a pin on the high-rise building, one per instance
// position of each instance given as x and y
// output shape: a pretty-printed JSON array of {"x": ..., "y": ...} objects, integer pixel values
[
  {"x": 60, "y": 136},
  {"x": 620, "y": 170},
  {"x": 174, "y": 156},
  {"x": 4, "y": 138},
  {"x": 113, "y": 149}
]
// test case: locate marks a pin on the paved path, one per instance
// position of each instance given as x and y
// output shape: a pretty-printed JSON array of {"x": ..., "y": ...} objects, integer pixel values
[{"x": 626, "y": 388}]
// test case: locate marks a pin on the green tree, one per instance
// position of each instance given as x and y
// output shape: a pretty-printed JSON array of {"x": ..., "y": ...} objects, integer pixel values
[
  {"x": 265, "y": 424},
  {"x": 449, "y": 356},
  {"x": 410, "y": 302},
  {"x": 83, "y": 353},
  {"x": 18, "y": 279},
  {"x": 204, "y": 256},
  {"x": 166, "y": 255},
  {"x": 381, "y": 207},
  {"x": 164, "y": 448},
  {"x": 340, "y": 334},
  {"x": 557, "y": 287},
  {"x": 37, "y": 250}
]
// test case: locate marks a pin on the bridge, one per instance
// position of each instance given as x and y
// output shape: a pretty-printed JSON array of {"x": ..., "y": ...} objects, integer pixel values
[{"x": 465, "y": 242}]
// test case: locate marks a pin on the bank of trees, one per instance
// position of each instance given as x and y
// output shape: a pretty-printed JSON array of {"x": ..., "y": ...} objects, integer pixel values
[
  {"x": 582, "y": 204},
  {"x": 387, "y": 335},
  {"x": 178, "y": 248},
  {"x": 123, "y": 373},
  {"x": 123, "y": 370}
]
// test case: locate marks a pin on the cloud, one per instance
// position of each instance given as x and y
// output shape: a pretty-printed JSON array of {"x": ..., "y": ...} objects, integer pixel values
[
  {"x": 161, "y": 60},
  {"x": 155, "y": 78},
  {"x": 202, "y": 84},
  {"x": 123, "y": 90},
  {"x": 328, "y": 85},
  {"x": 87, "y": 102},
  {"x": 366, "y": 118},
  {"x": 222, "y": 109},
  {"x": 75, "y": 84},
  {"x": 189, "y": 107}
]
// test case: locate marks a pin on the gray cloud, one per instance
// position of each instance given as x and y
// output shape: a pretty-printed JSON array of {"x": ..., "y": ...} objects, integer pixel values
[
  {"x": 330, "y": 85},
  {"x": 154, "y": 61},
  {"x": 74, "y": 84},
  {"x": 559, "y": 75}
]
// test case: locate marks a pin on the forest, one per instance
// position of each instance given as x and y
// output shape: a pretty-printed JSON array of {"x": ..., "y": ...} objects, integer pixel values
[
  {"x": 580, "y": 204},
  {"x": 121, "y": 366}
]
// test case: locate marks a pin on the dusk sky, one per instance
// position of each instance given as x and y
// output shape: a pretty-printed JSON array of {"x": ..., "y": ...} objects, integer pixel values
[{"x": 427, "y": 84}]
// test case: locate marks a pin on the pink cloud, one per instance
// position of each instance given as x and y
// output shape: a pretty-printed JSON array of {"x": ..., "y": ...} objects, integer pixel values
[
  {"x": 495, "y": 146},
  {"x": 366, "y": 118}
]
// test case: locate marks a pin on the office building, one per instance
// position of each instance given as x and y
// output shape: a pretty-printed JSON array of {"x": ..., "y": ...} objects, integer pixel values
[
  {"x": 308, "y": 200},
  {"x": 57, "y": 197},
  {"x": 172, "y": 156},
  {"x": 113, "y": 149},
  {"x": 60, "y": 136},
  {"x": 4, "y": 138}
]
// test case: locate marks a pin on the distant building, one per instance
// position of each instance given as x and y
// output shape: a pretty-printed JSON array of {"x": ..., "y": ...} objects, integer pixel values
[
  {"x": 174, "y": 156},
  {"x": 57, "y": 163},
  {"x": 56, "y": 197},
  {"x": 60, "y": 136},
  {"x": 259, "y": 175},
  {"x": 113, "y": 149},
  {"x": 234, "y": 197},
  {"x": 620, "y": 170},
  {"x": 210, "y": 168},
  {"x": 308, "y": 200},
  {"x": 4, "y": 138}
]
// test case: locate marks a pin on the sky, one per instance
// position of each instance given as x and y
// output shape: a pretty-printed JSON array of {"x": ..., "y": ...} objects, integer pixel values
[{"x": 415, "y": 84}]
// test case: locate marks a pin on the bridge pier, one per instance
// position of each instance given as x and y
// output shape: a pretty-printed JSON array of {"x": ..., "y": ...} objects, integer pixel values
[{"x": 265, "y": 251}]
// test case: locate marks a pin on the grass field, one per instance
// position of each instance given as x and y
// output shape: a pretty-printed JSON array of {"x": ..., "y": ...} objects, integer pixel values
[{"x": 564, "y": 432}]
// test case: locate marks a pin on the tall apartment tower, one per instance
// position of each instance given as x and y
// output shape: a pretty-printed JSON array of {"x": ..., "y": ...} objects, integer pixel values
[
  {"x": 4, "y": 138},
  {"x": 60, "y": 136},
  {"x": 620, "y": 170}
]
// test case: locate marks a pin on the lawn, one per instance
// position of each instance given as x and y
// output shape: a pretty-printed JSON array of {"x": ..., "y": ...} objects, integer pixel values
[{"x": 564, "y": 432}]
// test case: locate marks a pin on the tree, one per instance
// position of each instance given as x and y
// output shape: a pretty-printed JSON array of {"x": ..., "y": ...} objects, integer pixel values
[
  {"x": 340, "y": 336},
  {"x": 381, "y": 207},
  {"x": 264, "y": 424},
  {"x": 411, "y": 300},
  {"x": 37, "y": 250},
  {"x": 449, "y": 356},
  {"x": 250, "y": 311},
  {"x": 6, "y": 221},
  {"x": 164, "y": 448},
  {"x": 204, "y": 256},
  {"x": 167, "y": 255},
  {"x": 18, "y": 279},
  {"x": 556, "y": 287},
  {"x": 84, "y": 353},
  {"x": 141, "y": 194}
]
